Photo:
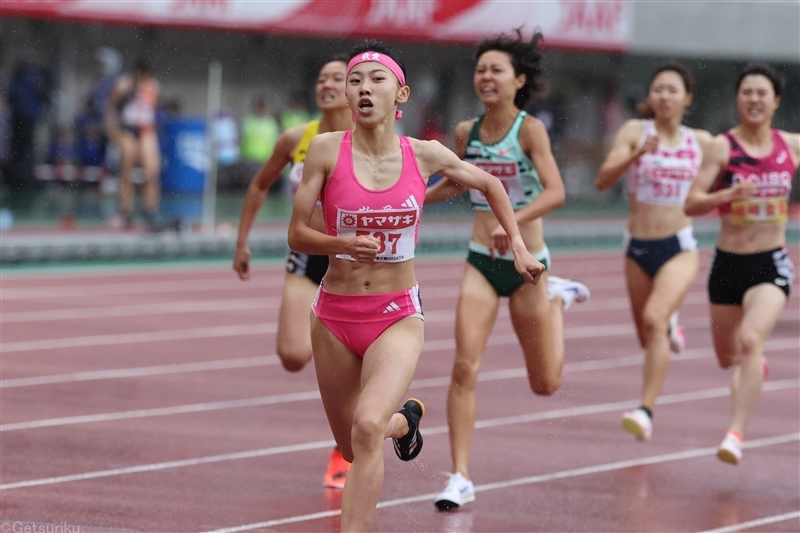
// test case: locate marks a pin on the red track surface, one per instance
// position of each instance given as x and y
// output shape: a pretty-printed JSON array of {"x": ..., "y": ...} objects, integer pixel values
[{"x": 149, "y": 400}]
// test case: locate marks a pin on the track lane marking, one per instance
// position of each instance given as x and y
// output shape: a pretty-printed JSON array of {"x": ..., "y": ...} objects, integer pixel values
[
  {"x": 529, "y": 480},
  {"x": 568, "y": 412},
  {"x": 443, "y": 381},
  {"x": 755, "y": 523}
]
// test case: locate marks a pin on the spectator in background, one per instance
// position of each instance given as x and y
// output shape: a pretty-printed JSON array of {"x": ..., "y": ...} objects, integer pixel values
[
  {"x": 28, "y": 96},
  {"x": 61, "y": 150},
  {"x": 130, "y": 114},
  {"x": 259, "y": 134},
  {"x": 297, "y": 112},
  {"x": 5, "y": 138},
  {"x": 89, "y": 142}
]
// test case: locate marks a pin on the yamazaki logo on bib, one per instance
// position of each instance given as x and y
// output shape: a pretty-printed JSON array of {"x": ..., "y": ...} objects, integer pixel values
[
  {"x": 395, "y": 230},
  {"x": 508, "y": 174}
]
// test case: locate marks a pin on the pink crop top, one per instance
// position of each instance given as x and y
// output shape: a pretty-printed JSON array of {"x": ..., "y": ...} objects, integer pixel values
[{"x": 391, "y": 215}]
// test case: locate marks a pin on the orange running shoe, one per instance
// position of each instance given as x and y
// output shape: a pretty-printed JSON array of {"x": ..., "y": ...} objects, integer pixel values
[{"x": 337, "y": 471}]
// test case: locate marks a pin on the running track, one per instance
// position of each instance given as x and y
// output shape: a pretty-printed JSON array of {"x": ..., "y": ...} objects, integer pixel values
[{"x": 150, "y": 400}]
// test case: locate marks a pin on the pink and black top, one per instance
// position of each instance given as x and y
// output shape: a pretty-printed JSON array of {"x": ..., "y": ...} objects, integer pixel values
[
  {"x": 772, "y": 175},
  {"x": 391, "y": 215}
]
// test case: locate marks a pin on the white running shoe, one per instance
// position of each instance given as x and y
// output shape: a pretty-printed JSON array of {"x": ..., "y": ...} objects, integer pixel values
[
  {"x": 569, "y": 290},
  {"x": 730, "y": 450},
  {"x": 677, "y": 340},
  {"x": 459, "y": 491},
  {"x": 638, "y": 423}
]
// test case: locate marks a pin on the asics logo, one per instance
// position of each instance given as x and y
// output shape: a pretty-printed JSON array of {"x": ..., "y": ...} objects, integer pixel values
[
  {"x": 781, "y": 282},
  {"x": 781, "y": 157},
  {"x": 637, "y": 251}
]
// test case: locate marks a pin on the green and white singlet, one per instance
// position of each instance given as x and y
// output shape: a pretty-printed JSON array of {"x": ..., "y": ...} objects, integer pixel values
[{"x": 508, "y": 162}]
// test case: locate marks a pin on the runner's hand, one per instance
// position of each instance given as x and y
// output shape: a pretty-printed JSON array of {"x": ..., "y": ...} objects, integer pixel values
[
  {"x": 499, "y": 241},
  {"x": 650, "y": 145},
  {"x": 742, "y": 191},
  {"x": 363, "y": 248},
  {"x": 241, "y": 263},
  {"x": 529, "y": 268}
]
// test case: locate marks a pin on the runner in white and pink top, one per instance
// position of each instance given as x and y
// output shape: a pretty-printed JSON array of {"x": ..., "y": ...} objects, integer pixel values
[
  {"x": 367, "y": 328},
  {"x": 662, "y": 158}
]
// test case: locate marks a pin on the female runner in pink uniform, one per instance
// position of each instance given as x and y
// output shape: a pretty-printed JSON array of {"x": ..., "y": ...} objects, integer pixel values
[
  {"x": 367, "y": 323},
  {"x": 750, "y": 169}
]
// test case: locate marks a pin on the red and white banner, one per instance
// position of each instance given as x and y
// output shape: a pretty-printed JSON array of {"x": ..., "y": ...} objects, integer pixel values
[{"x": 583, "y": 24}]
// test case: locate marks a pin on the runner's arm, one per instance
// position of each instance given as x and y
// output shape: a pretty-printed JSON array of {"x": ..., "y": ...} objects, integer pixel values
[
  {"x": 622, "y": 154},
  {"x": 437, "y": 159},
  {"x": 257, "y": 194},
  {"x": 320, "y": 159},
  {"x": 536, "y": 141},
  {"x": 700, "y": 201}
]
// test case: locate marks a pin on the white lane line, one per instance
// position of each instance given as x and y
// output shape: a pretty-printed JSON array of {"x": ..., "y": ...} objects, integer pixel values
[
  {"x": 134, "y": 338},
  {"x": 496, "y": 375},
  {"x": 160, "y": 370},
  {"x": 756, "y": 523},
  {"x": 529, "y": 480},
  {"x": 138, "y": 287},
  {"x": 435, "y": 430},
  {"x": 116, "y": 311}
]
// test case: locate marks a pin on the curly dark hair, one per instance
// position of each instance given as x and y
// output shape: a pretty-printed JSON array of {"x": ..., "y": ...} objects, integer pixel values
[
  {"x": 526, "y": 58},
  {"x": 374, "y": 45},
  {"x": 762, "y": 69}
]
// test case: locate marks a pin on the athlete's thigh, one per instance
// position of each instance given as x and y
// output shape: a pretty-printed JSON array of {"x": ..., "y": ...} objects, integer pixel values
[
  {"x": 530, "y": 316},
  {"x": 672, "y": 282},
  {"x": 150, "y": 155},
  {"x": 339, "y": 378},
  {"x": 476, "y": 313},
  {"x": 294, "y": 324},
  {"x": 763, "y": 305},
  {"x": 725, "y": 322},
  {"x": 639, "y": 287},
  {"x": 128, "y": 150},
  {"x": 388, "y": 368}
]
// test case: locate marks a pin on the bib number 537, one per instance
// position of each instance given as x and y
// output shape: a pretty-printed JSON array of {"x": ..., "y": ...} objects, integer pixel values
[{"x": 385, "y": 239}]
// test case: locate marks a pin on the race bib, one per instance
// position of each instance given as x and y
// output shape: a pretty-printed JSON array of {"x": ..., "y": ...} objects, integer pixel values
[
  {"x": 295, "y": 177},
  {"x": 508, "y": 174},
  {"x": 751, "y": 211},
  {"x": 663, "y": 191},
  {"x": 395, "y": 230}
]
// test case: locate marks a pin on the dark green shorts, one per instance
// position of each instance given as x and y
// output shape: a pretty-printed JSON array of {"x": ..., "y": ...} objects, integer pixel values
[{"x": 500, "y": 273}]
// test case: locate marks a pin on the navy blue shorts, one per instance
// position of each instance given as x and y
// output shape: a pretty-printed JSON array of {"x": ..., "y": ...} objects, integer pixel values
[{"x": 651, "y": 255}]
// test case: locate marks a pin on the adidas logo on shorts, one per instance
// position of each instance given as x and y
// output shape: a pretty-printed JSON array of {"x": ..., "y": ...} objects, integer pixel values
[{"x": 391, "y": 308}]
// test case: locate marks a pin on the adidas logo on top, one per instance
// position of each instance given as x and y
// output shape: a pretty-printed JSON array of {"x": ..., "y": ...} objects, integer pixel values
[
  {"x": 410, "y": 202},
  {"x": 391, "y": 308}
]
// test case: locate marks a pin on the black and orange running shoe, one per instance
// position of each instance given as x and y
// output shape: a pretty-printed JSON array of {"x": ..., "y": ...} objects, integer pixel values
[{"x": 408, "y": 446}]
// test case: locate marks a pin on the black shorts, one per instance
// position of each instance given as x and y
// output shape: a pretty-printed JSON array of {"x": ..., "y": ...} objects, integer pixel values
[
  {"x": 311, "y": 266},
  {"x": 732, "y": 275}
]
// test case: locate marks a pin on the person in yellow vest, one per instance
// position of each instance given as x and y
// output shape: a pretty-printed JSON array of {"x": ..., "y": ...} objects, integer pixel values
[
  {"x": 296, "y": 113},
  {"x": 304, "y": 272},
  {"x": 260, "y": 132}
]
